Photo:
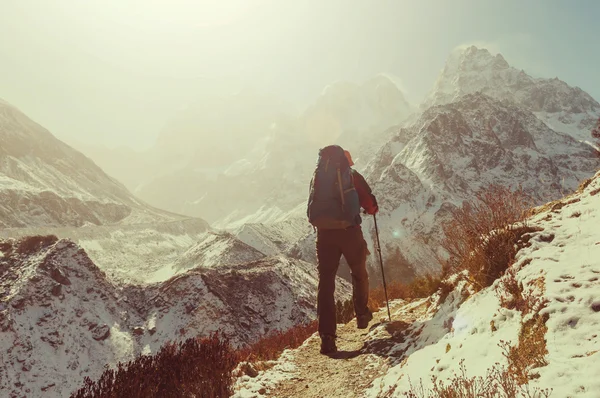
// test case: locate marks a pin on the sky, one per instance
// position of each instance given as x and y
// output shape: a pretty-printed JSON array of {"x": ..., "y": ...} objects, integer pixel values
[{"x": 114, "y": 72}]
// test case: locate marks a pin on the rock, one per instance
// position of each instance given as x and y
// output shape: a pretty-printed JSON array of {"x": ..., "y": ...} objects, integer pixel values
[
  {"x": 46, "y": 388},
  {"x": 138, "y": 331},
  {"x": 18, "y": 304},
  {"x": 100, "y": 333},
  {"x": 53, "y": 338},
  {"x": 262, "y": 391},
  {"x": 152, "y": 330},
  {"x": 249, "y": 370},
  {"x": 59, "y": 276},
  {"x": 57, "y": 290}
]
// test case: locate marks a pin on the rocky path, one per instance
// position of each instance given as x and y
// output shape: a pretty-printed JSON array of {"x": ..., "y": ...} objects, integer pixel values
[{"x": 363, "y": 355}]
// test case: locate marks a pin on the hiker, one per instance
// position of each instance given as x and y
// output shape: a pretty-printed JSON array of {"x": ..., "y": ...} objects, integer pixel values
[{"x": 337, "y": 192}]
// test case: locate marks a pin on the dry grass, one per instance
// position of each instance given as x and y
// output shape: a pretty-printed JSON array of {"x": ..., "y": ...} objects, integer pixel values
[
  {"x": 513, "y": 297},
  {"x": 271, "y": 346},
  {"x": 482, "y": 235},
  {"x": 531, "y": 351},
  {"x": 196, "y": 367},
  {"x": 498, "y": 383},
  {"x": 420, "y": 287},
  {"x": 199, "y": 367}
]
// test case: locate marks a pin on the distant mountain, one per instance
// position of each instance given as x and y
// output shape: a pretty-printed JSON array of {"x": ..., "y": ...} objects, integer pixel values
[
  {"x": 44, "y": 182},
  {"x": 252, "y": 145},
  {"x": 484, "y": 123},
  {"x": 564, "y": 108}
]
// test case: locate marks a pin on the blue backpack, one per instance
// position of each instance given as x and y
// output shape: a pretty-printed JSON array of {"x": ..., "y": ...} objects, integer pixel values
[{"x": 333, "y": 201}]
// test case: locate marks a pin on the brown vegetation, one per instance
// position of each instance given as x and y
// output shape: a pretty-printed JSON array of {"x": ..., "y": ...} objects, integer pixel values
[
  {"x": 531, "y": 351},
  {"x": 196, "y": 367},
  {"x": 482, "y": 235},
  {"x": 271, "y": 346},
  {"x": 423, "y": 286},
  {"x": 498, "y": 383}
]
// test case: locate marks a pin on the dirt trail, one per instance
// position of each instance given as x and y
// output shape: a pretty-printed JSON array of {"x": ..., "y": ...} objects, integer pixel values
[{"x": 360, "y": 359}]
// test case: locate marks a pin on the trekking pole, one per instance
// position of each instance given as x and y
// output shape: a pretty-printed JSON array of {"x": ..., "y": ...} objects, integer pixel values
[{"x": 381, "y": 264}]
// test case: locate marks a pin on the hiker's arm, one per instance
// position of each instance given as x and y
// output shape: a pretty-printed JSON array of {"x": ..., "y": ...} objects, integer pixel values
[{"x": 365, "y": 195}]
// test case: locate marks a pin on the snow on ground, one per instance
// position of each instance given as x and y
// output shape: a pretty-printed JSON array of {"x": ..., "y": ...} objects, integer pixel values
[
  {"x": 566, "y": 254},
  {"x": 558, "y": 266},
  {"x": 283, "y": 369}
]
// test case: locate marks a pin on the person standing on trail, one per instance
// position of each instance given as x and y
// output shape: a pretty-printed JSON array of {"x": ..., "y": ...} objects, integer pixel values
[{"x": 337, "y": 192}]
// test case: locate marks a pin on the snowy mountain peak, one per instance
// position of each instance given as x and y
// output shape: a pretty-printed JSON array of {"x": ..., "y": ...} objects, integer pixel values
[
  {"x": 473, "y": 59},
  {"x": 562, "y": 107}
]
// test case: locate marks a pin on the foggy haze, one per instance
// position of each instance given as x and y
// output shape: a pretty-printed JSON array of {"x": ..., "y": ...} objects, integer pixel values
[{"x": 115, "y": 72}]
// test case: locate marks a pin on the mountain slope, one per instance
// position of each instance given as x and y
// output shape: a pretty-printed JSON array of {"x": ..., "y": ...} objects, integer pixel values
[
  {"x": 456, "y": 149},
  {"x": 44, "y": 182},
  {"x": 61, "y": 319},
  {"x": 555, "y": 331}
]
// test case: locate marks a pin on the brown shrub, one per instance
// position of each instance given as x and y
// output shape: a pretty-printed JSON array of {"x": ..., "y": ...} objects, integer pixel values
[
  {"x": 481, "y": 235},
  {"x": 420, "y": 287},
  {"x": 531, "y": 350},
  {"x": 32, "y": 244},
  {"x": 513, "y": 296},
  {"x": 196, "y": 367},
  {"x": 271, "y": 346},
  {"x": 498, "y": 383}
]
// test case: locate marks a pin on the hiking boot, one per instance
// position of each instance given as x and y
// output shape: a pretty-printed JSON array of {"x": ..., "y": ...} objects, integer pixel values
[
  {"x": 328, "y": 344},
  {"x": 362, "y": 321}
]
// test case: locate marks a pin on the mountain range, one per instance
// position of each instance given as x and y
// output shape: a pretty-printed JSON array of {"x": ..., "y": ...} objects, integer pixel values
[{"x": 232, "y": 250}]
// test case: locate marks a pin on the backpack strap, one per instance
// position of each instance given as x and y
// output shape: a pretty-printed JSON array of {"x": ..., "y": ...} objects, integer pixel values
[{"x": 339, "y": 176}]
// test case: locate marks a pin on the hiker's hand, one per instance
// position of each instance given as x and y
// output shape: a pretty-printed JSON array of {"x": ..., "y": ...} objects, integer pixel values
[{"x": 371, "y": 211}]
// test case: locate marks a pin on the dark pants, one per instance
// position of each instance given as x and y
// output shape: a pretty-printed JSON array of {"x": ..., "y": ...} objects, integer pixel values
[{"x": 331, "y": 245}]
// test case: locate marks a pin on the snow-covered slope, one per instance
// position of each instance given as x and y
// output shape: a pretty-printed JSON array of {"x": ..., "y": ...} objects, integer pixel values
[
  {"x": 44, "y": 182},
  {"x": 137, "y": 253},
  {"x": 454, "y": 150},
  {"x": 217, "y": 249},
  {"x": 561, "y": 267},
  {"x": 276, "y": 237},
  {"x": 549, "y": 336},
  {"x": 61, "y": 319},
  {"x": 564, "y": 108}
]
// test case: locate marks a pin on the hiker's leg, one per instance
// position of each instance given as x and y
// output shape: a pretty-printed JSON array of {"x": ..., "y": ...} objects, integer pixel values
[
  {"x": 328, "y": 257},
  {"x": 355, "y": 252}
]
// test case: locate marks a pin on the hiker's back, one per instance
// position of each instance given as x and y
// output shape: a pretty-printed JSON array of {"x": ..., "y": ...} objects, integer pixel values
[{"x": 333, "y": 201}]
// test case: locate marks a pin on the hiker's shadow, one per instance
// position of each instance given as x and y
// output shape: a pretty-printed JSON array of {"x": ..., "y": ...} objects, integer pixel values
[
  {"x": 373, "y": 346},
  {"x": 399, "y": 339}
]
